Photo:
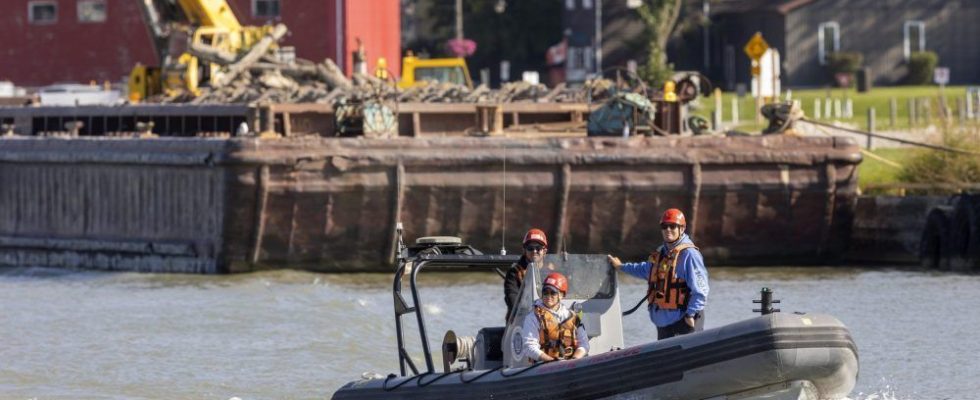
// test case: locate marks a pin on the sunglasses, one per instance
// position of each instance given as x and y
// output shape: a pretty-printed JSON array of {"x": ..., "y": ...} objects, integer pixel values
[
  {"x": 669, "y": 226},
  {"x": 534, "y": 248},
  {"x": 549, "y": 292}
]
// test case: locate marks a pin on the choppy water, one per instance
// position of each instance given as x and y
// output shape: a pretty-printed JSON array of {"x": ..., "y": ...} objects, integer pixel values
[{"x": 298, "y": 335}]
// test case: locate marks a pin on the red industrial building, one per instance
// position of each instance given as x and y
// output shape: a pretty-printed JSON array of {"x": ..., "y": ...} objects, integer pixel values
[{"x": 52, "y": 41}]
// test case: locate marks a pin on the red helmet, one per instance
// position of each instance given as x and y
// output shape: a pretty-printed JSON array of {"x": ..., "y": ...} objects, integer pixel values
[
  {"x": 557, "y": 281},
  {"x": 536, "y": 235},
  {"x": 673, "y": 216}
]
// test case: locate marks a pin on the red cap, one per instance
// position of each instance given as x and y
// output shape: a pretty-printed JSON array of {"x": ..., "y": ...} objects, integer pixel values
[
  {"x": 536, "y": 235},
  {"x": 673, "y": 216},
  {"x": 557, "y": 281}
]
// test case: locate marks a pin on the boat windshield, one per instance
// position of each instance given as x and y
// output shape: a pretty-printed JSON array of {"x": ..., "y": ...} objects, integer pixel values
[{"x": 589, "y": 275}]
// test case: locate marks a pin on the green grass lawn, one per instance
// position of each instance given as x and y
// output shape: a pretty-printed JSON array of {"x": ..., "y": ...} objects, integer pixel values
[
  {"x": 873, "y": 171},
  {"x": 877, "y": 98}
]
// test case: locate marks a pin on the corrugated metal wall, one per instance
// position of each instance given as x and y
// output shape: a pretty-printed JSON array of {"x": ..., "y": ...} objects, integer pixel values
[{"x": 110, "y": 204}]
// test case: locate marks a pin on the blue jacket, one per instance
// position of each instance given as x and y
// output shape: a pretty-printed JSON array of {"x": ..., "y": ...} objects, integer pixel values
[{"x": 690, "y": 267}]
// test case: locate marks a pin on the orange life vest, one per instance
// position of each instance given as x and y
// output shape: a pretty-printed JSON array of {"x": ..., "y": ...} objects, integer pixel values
[
  {"x": 665, "y": 289},
  {"x": 557, "y": 339}
]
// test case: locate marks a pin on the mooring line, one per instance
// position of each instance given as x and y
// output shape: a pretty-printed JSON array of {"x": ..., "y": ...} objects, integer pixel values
[
  {"x": 905, "y": 141},
  {"x": 503, "y": 222},
  {"x": 868, "y": 153}
]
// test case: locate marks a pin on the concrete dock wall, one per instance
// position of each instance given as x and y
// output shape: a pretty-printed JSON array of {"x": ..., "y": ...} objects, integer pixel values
[{"x": 887, "y": 229}]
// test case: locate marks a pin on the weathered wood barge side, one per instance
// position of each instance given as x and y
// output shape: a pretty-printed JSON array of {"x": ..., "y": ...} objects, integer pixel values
[{"x": 213, "y": 205}]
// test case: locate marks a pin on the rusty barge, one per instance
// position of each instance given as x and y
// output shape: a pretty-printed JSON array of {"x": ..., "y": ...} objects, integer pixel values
[{"x": 232, "y": 204}]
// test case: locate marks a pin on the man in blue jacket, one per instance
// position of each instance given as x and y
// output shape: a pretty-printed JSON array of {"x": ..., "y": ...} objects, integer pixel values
[{"x": 677, "y": 279}]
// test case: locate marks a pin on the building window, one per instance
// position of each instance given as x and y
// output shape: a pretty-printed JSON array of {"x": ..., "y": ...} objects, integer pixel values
[
  {"x": 915, "y": 38},
  {"x": 828, "y": 37},
  {"x": 570, "y": 4},
  {"x": 265, "y": 8},
  {"x": 91, "y": 11},
  {"x": 587, "y": 4},
  {"x": 42, "y": 12}
]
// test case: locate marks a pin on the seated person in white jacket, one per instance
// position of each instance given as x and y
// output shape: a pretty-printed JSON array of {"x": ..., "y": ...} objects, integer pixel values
[{"x": 551, "y": 330}]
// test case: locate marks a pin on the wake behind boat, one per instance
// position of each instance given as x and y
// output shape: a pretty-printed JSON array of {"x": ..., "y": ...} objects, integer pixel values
[{"x": 774, "y": 356}]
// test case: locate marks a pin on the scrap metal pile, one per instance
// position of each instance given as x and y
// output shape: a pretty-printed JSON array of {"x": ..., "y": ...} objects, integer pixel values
[
  {"x": 302, "y": 81},
  {"x": 262, "y": 76}
]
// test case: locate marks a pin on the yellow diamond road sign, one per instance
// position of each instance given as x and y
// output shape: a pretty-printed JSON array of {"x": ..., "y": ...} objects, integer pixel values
[{"x": 756, "y": 46}]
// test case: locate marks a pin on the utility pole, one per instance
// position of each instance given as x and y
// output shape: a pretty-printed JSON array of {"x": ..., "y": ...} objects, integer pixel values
[
  {"x": 459, "y": 19},
  {"x": 706, "y": 9},
  {"x": 598, "y": 37}
]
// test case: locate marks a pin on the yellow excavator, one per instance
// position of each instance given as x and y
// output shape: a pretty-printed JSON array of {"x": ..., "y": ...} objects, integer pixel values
[{"x": 189, "y": 36}]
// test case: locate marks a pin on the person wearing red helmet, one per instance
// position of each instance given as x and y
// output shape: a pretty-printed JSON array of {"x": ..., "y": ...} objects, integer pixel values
[
  {"x": 677, "y": 280},
  {"x": 552, "y": 331},
  {"x": 535, "y": 246}
]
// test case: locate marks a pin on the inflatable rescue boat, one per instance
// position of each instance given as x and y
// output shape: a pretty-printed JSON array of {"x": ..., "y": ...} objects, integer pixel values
[{"x": 774, "y": 356}]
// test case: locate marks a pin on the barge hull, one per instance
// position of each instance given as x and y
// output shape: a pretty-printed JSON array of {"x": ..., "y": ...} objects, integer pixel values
[{"x": 228, "y": 205}]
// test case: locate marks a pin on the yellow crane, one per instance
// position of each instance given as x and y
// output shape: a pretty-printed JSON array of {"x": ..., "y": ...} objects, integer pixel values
[{"x": 189, "y": 36}]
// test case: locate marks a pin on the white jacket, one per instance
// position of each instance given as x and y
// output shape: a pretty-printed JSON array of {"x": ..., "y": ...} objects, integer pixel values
[{"x": 532, "y": 330}]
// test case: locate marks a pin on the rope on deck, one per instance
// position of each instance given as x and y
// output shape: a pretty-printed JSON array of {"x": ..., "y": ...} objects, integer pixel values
[{"x": 894, "y": 139}]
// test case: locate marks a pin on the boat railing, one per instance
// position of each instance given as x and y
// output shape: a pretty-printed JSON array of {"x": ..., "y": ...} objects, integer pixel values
[{"x": 420, "y": 262}]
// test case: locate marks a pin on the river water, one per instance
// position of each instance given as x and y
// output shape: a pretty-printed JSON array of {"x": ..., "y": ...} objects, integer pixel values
[{"x": 299, "y": 335}]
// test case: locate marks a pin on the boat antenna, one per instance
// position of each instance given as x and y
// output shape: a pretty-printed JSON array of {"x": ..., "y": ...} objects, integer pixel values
[
  {"x": 503, "y": 217},
  {"x": 564, "y": 249},
  {"x": 399, "y": 230}
]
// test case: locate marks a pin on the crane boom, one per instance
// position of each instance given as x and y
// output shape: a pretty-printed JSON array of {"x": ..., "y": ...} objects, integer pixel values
[
  {"x": 212, "y": 32},
  {"x": 216, "y": 13}
]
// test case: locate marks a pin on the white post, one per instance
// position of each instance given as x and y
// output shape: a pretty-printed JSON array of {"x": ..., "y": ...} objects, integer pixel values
[
  {"x": 816, "y": 109},
  {"x": 976, "y": 109},
  {"x": 969, "y": 107},
  {"x": 827, "y": 107},
  {"x": 837, "y": 109},
  {"x": 719, "y": 110},
  {"x": 871, "y": 125},
  {"x": 735, "y": 110},
  {"x": 719, "y": 105},
  {"x": 848, "y": 109}
]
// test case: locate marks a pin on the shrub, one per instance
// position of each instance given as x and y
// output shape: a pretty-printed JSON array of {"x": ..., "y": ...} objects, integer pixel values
[
  {"x": 939, "y": 167},
  {"x": 921, "y": 65},
  {"x": 847, "y": 62}
]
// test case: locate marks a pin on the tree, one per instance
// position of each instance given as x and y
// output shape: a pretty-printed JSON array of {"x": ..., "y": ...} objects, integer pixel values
[{"x": 659, "y": 17}]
